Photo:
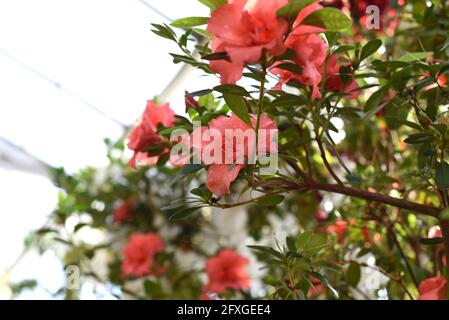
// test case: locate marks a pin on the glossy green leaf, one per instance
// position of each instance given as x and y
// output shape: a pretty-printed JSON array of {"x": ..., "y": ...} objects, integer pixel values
[
  {"x": 232, "y": 89},
  {"x": 271, "y": 200},
  {"x": 370, "y": 48},
  {"x": 183, "y": 214},
  {"x": 415, "y": 56},
  {"x": 291, "y": 10},
  {"x": 330, "y": 19},
  {"x": 238, "y": 106},
  {"x": 442, "y": 176},
  {"x": 213, "y": 4},
  {"x": 431, "y": 241},
  {"x": 189, "y": 22},
  {"x": 353, "y": 274}
]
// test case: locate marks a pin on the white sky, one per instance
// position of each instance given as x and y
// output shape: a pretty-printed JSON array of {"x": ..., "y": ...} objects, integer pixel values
[{"x": 104, "y": 52}]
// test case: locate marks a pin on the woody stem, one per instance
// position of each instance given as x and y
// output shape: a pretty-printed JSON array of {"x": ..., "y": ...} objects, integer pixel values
[
  {"x": 445, "y": 231},
  {"x": 261, "y": 97}
]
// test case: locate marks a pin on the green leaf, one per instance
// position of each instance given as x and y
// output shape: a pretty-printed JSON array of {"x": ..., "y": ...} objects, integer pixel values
[
  {"x": 183, "y": 214},
  {"x": 185, "y": 171},
  {"x": 291, "y": 10},
  {"x": 442, "y": 176},
  {"x": 79, "y": 226},
  {"x": 199, "y": 93},
  {"x": 431, "y": 241},
  {"x": 271, "y": 200},
  {"x": 330, "y": 19},
  {"x": 238, "y": 106},
  {"x": 292, "y": 67},
  {"x": 216, "y": 56},
  {"x": 444, "y": 214},
  {"x": 173, "y": 205},
  {"x": 311, "y": 243},
  {"x": 191, "y": 168},
  {"x": 45, "y": 231},
  {"x": 375, "y": 99},
  {"x": 419, "y": 138},
  {"x": 289, "y": 100},
  {"x": 344, "y": 48},
  {"x": 353, "y": 274},
  {"x": 415, "y": 56},
  {"x": 268, "y": 251},
  {"x": 232, "y": 89},
  {"x": 370, "y": 48},
  {"x": 213, "y": 4},
  {"x": 445, "y": 45},
  {"x": 189, "y": 22},
  {"x": 164, "y": 31}
]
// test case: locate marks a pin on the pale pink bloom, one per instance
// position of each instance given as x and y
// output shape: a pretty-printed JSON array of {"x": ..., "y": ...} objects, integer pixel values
[
  {"x": 433, "y": 289},
  {"x": 226, "y": 144},
  {"x": 227, "y": 270},
  {"x": 435, "y": 232},
  {"x": 138, "y": 255},
  {"x": 243, "y": 29},
  {"x": 229, "y": 72},
  {"x": 310, "y": 50},
  {"x": 144, "y": 133}
]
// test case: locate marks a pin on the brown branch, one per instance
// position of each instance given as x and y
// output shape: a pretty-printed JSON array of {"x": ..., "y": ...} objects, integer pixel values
[
  {"x": 310, "y": 184},
  {"x": 376, "y": 197},
  {"x": 326, "y": 163},
  {"x": 403, "y": 255},
  {"x": 444, "y": 225}
]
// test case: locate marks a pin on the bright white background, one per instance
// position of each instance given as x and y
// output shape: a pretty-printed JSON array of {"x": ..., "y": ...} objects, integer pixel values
[{"x": 107, "y": 64}]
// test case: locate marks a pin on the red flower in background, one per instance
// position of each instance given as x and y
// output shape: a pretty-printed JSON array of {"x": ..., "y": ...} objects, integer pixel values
[
  {"x": 124, "y": 212},
  {"x": 138, "y": 255},
  {"x": 433, "y": 289},
  {"x": 243, "y": 29},
  {"x": 145, "y": 134},
  {"x": 340, "y": 228},
  {"x": 227, "y": 271},
  {"x": 335, "y": 83}
]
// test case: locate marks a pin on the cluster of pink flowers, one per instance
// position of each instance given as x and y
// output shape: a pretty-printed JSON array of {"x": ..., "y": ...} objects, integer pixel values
[
  {"x": 225, "y": 167},
  {"x": 227, "y": 270},
  {"x": 245, "y": 29},
  {"x": 138, "y": 255}
]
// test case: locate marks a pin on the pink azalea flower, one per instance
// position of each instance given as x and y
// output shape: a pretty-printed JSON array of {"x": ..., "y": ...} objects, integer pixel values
[
  {"x": 138, "y": 255},
  {"x": 433, "y": 289},
  {"x": 310, "y": 52},
  {"x": 145, "y": 134},
  {"x": 243, "y": 29},
  {"x": 235, "y": 143},
  {"x": 227, "y": 271}
]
